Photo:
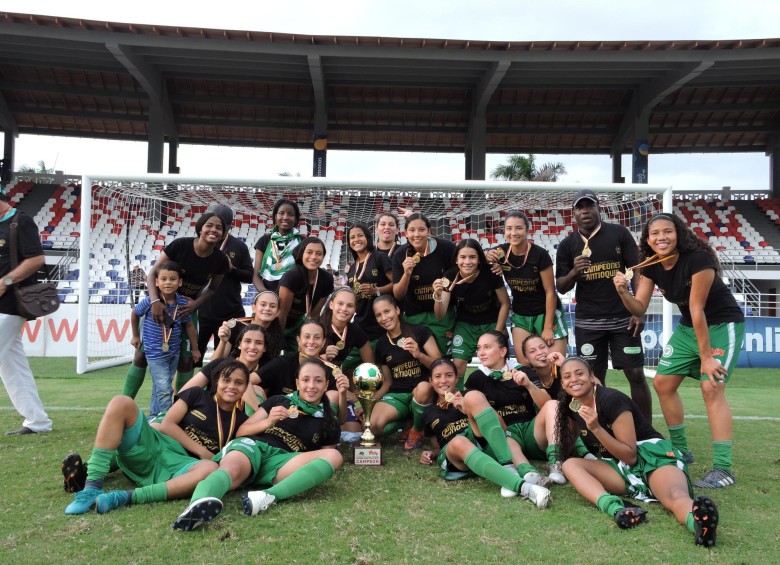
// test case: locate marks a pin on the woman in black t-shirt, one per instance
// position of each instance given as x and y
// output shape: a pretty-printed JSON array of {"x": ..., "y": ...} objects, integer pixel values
[
  {"x": 342, "y": 335},
  {"x": 369, "y": 275},
  {"x": 705, "y": 344},
  {"x": 387, "y": 230},
  {"x": 274, "y": 250},
  {"x": 286, "y": 448},
  {"x": 303, "y": 289},
  {"x": 632, "y": 458},
  {"x": 265, "y": 313}
]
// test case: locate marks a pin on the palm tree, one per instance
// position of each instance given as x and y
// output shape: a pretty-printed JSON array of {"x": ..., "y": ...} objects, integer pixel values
[
  {"x": 520, "y": 167},
  {"x": 41, "y": 170}
]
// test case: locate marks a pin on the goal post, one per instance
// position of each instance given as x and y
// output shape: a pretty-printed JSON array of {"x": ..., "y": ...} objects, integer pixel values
[{"x": 127, "y": 220}]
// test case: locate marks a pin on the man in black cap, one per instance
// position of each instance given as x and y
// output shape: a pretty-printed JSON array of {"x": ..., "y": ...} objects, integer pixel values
[
  {"x": 226, "y": 302},
  {"x": 589, "y": 258},
  {"x": 14, "y": 369}
]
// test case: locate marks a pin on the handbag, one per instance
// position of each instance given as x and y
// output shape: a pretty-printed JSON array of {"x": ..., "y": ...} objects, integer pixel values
[{"x": 32, "y": 300}]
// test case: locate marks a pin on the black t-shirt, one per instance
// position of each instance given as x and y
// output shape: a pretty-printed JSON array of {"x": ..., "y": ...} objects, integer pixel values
[
  {"x": 262, "y": 246},
  {"x": 278, "y": 375},
  {"x": 406, "y": 371},
  {"x": 476, "y": 302},
  {"x": 274, "y": 334},
  {"x": 444, "y": 424},
  {"x": 226, "y": 302},
  {"x": 675, "y": 284},
  {"x": 198, "y": 271},
  {"x": 375, "y": 273},
  {"x": 304, "y": 433},
  {"x": 610, "y": 404},
  {"x": 525, "y": 281},
  {"x": 28, "y": 245},
  {"x": 200, "y": 421},
  {"x": 510, "y": 400},
  {"x": 355, "y": 337},
  {"x": 613, "y": 249},
  {"x": 419, "y": 296},
  {"x": 296, "y": 281},
  {"x": 389, "y": 253}
]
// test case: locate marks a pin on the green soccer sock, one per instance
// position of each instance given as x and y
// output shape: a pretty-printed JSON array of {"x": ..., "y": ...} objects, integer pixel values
[
  {"x": 216, "y": 485},
  {"x": 721, "y": 455},
  {"x": 579, "y": 448},
  {"x": 524, "y": 468},
  {"x": 309, "y": 476},
  {"x": 133, "y": 380},
  {"x": 553, "y": 453},
  {"x": 486, "y": 467},
  {"x": 690, "y": 523},
  {"x": 391, "y": 428},
  {"x": 417, "y": 415},
  {"x": 494, "y": 434},
  {"x": 157, "y": 492},
  {"x": 182, "y": 378},
  {"x": 679, "y": 438},
  {"x": 610, "y": 504},
  {"x": 99, "y": 465}
]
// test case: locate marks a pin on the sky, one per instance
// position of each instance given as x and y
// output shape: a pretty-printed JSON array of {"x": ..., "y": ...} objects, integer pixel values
[{"x": 499, "y": 20}]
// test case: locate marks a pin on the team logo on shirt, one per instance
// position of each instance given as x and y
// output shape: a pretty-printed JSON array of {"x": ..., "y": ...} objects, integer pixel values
[
  {"x": 232, "y": 254},
  {"x": 199, "y": 415},
  {"x": 457, "y": 341},
  {"x": 375, "y": 272},
  {"x": 587, "y": 349},
  {"x": 668, "y": 350},
  {"x": 315, "y": 439}
]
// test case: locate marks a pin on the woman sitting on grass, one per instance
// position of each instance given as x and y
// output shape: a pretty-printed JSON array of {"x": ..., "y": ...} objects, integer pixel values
[
  {"x": 633, "y": 458},
  {"x": 469, "y": 438},
  {"x": 288, "y": 447},
  {"x": 166, "y": 463}
]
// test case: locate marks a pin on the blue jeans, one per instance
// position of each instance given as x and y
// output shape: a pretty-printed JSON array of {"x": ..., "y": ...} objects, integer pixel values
[{"x": 162, "y": 370}]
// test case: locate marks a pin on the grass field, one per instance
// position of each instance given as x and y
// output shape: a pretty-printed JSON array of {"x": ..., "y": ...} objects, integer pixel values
[{"x": 402, "y": 512}]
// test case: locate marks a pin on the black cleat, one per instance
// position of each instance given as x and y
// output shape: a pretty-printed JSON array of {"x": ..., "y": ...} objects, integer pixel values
[
  {"x": 74, "y": 473},
  {"x": 705, "y": 515},
  {"x": 630, "y": 516}
]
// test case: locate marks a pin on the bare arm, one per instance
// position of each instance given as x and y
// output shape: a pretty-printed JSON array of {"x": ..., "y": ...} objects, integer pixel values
[
  {"x": 285, "y": 303},
  {"x": 623, "y": 445},
  {"x": 638, "y": 303},
  {"x": 256, "y": 278},
  {"x": 503, "y": 311},
  {"x": 170, "y": 427},
  {"x": 701, "y": 283}
]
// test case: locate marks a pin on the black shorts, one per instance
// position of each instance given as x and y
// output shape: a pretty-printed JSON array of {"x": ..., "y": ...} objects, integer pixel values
[{"x": 594, "y": 345}]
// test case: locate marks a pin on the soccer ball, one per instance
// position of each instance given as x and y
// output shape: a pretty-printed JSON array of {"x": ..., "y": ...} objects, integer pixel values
[{"x": 367, "y": 378}]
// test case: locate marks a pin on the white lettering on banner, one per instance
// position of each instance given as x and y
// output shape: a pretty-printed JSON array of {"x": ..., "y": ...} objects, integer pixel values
[{"x": 763, "y": 343}]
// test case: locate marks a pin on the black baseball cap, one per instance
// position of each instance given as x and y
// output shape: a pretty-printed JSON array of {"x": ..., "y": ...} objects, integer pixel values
[
  {"x": 224, "y": 213},
  {"x": 583, "y": 195}
]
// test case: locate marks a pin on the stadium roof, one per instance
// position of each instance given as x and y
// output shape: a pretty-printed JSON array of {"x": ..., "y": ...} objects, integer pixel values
[{"x": 72, "y": 77}]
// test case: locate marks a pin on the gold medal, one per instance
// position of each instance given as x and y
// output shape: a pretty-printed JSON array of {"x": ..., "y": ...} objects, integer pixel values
[
  {"x": 629, "y": 274},
  {"x": 449, "y": 397},
  {"x": 401, "y": 341},
  {"x": 164, "y": 347},
  {"x": 586, "y": 252},
  {"x": 416, "y": 258},
  {"x": 278, "y": 266},
  {"x": 506, "y": 376},
  {"x": 499, "y": 253},
  {"x": 575, "y": 405},
  {"x": 292, "y": 412},
  {"x": 231, "y": 323},
  {"x": 445, "y": 282},
  {"x": 340, "y": 344}
]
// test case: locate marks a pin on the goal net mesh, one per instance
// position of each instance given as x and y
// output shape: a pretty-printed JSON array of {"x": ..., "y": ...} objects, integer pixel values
[{"x": 132, "y": 221}]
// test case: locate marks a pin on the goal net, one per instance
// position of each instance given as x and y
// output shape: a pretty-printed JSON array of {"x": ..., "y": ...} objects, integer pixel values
[{"x": 127, "y": 222}]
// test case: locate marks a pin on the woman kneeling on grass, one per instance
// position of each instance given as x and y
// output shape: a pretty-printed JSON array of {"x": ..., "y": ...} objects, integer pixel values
[
  {"x": 633, "y": 458},
  {"x": 168, "y": 463},
  {"x": 290, "y": 447},
  {"x": 469, "y": 438}
]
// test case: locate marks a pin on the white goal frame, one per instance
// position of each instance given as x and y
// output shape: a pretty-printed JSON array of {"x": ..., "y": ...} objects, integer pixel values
[{"x": 340, "y": 186}]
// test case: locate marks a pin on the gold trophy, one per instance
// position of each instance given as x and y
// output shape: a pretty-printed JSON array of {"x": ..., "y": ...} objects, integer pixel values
[{"x": 367, "y": 379}]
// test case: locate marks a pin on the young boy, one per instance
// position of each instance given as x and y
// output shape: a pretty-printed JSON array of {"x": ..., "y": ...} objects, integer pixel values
[{"x": 161, "y": 341}]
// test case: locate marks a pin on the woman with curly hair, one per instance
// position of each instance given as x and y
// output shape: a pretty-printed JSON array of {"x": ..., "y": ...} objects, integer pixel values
[{"x": 705, "y": 344}]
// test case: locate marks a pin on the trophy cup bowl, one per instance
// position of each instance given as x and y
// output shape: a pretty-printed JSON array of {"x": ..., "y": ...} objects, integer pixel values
[{"x": 367, "y": 379}]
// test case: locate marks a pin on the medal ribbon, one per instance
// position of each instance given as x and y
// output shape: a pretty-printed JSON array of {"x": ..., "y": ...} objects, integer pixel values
[
  {"x": 316, "y": 410},
  {"x": 654, "y": 260},
  {"x": 342, "y": 337},
  {"x": 499, "y": 375},
  {"x": 167, "y": 336},
  {"x": 525, "y": 257},
  {"x": 587, "y": 239},
  {"x": 359, "y": 273},
  {"x": 310, "y": 296},
  {"x": 222, "y": 440}
]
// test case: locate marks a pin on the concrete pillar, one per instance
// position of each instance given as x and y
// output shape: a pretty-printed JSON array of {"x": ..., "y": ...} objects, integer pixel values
[
  {"x": 476, "y": 152},
  {"x": 774, "y": 171},
  {"x": 9, "y": 148},
  {"x": 617, "y": 167},
  {"x": 320, "y": 155},
  {"x": 155, "y": 141},
  {"x": 173, "y": 156}
]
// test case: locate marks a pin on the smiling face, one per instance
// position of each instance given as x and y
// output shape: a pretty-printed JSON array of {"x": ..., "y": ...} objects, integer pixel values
[
  {"x": 467, "y": 261},
  {"x": 662, "y": 237},
  {"x": 515, "y": 231},
  {"x": 168, "y": 281},
  {"x": 357, "y": 240},
  {"x": 444, "y": 379},
  {"x": 231, "y": 387},
  {"x": 343, "y": 306},
  {"x": 311, "y": 340},
  {"x": 387, "y": 315},
  {"x": 285, "y": 218},
  {"x": 576, "y": 378},
  {"x": 417, "y": 233},
  {"x": 251, "y": 347},
  {"x": 311, "y": 383},
  {"x": 536, "y": 351},
  {"x": 586, "y": 214},
  {"x": 490, "y": 352},
  {"x": 387, "y": 230},
  {"x": 212, "y": 230},
  {"x": 313, "y": 256},
  {"x": 266, "y": 308}
]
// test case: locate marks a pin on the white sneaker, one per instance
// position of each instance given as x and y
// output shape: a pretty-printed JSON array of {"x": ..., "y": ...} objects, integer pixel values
[
  {"x": 536, "y": 494},
  {"x": 590, "y": 457},
  {"x": 256, "y": 501},
  {"x": 555, "y": 472},
  {"x": 537, "y": 479},
  {"x": 505, "y": 492}
]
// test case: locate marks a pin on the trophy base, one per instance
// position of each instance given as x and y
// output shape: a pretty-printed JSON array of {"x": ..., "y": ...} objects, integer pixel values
[{"x": 367, "y": 456}]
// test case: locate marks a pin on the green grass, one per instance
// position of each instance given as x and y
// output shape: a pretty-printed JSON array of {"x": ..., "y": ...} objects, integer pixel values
[{"x": 399, "y": 513}]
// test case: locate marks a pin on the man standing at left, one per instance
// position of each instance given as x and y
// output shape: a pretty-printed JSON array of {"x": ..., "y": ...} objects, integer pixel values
[{"x": 14, "y": 368}]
